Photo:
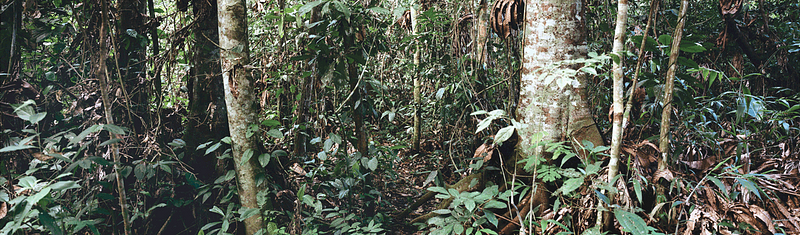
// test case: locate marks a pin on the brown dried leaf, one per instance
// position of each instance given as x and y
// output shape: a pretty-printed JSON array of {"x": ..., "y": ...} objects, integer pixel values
[
  {"x": 485, "y": 151},
  {"x": 298, "y": 169},
  {"x": 41, "y": 156},
  {"x": 666, "y": 174},
  {"x": 742, "y": 214},
  {"x": 763, "y": 215},
  {"x": 3, "y": 210}
]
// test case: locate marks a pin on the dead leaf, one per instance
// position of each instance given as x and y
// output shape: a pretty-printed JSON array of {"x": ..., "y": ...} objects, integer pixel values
[
  {"x": 298, "y": 169},
  {"x": 3, "y": 209},
  {"x": 41, "y": 156},
  {"x": 485, "y": 151}
]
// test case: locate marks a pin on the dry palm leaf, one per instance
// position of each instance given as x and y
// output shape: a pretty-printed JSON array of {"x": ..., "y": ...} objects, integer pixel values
[{"x": 507, "y": 15}]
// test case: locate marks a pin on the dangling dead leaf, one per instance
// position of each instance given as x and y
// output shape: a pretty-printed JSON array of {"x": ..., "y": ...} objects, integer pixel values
[
  {"x": 3, "y": 210},
  {"x": 729, "y": 7},
  {"x": 506, "y": 16},
  {"x": 485, "y": 151},
  {"x": 405, "y": 20}
]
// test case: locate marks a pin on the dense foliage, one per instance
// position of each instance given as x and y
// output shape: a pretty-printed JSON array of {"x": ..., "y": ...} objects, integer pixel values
[{"x": 92, "y": 90}]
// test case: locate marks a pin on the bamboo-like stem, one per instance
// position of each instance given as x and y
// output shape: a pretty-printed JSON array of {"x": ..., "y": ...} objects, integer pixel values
[{"x": 669, "y": 86}]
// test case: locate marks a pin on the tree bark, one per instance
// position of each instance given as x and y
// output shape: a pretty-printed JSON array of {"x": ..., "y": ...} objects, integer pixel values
[
  {"x": 617, "y": 90},
  {"x": 668, "y": 87},
  {"x": 415, "y": 139},
  {"x": 241, "y": 103},
  {"x": 207, "y": 119},
  {"x": 554, "y": 31},
  {"x": 130, "y": 58}
]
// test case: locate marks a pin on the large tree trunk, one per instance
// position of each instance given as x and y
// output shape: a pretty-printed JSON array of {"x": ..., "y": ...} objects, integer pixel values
[
  {"x": 131, "y": 65},
  {"x": 207, "y": 119},
  {"x": 555, "y": 31},
  {"x": 241, "y": 103}
]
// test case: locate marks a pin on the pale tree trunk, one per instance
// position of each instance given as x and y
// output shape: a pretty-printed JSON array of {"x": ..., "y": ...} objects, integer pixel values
[
  {"x": 616, "y": 132},
  {"x": 554, "y": 31},
  {"x": 241, "y": 103},
  {"x": 483, "y": 32},
  {"x": 417, "y": 83},
  {"x": 668, "y": 86}
]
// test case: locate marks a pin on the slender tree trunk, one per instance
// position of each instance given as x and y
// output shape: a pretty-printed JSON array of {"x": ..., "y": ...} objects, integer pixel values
[
  {"x": 668, "y": 86},
  {"x": 415, "y": 138},
  {"x": 358, "y": 111},
  {"x": 618, "y": 89},
  {"x": 635, "y": 81},
  {"x": 481, "y": 54},
  {"x": 241, "y": 103},
  {"x": 101, "y": 72}
]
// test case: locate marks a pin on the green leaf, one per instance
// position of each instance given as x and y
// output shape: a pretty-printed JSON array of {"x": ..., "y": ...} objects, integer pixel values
[
  {"x": 336, "y": 138},
  {"x": 434, "y": 189},
  {"x": 246, "y": 156},
  {"x": 115, "y": 129},
  {"x": 504, "y": 134},
  {"x": 380, "y": 10},
  {"x": 637, "y": 188},
  {"x": 692, "y": 48},
  {"x": 494, "y": 204},
  {"x": 263, "y": 159},
  {"x": 108, "y": 142},
  {"x": 307, "y": 8},
  {"x": 216, "y": 209},
  {"x": 213, "y": 148},
  {"x": 665, "y": 40},
  {"x": 270, "y": 123},
  {"x": 28, "y": 182},
  {"x": 12, "y": 148},
  {"x": 38, "y": 196},
  {"x": 571, "y": 184},
  {"x": 442, "y": 211},
  {"x": 470, "y": 204},
  {"x": 64, "y": 185},
  {"x": 749, "y": 186},
  {"x": 372, "y": 164},
  {"x": 36, "y": 117},
  {"x": 50, "y": 223},
  {"x": 479, "y": 112},
  {"x": 719, "y": 184},
  {"x": 631, "y": 222},
  {"x": 245, "y": 213},
  {"x": 497, "y": 113},
  {"x": 275, "y": 133},
  {"x": 84, "y": 133},
  {"x": 484, "y": 124}
]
